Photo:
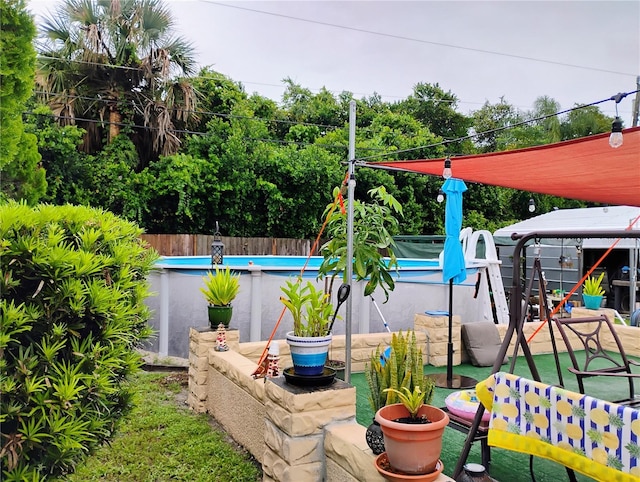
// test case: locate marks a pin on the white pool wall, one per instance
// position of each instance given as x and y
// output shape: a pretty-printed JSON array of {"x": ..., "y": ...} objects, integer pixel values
[{"x": 179, "y": 304}]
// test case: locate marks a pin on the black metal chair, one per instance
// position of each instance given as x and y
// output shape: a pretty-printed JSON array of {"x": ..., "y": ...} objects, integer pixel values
[{"x": 591, "y": 331}]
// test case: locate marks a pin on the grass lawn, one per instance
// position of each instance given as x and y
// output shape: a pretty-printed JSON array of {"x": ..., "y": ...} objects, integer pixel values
[{"x": 162, "y": 440}]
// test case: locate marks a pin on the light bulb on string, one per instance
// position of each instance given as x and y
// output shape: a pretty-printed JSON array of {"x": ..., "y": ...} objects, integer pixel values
[
  {"x": 440, "y": 197},
  {"x": 532, "y": 205},
  {"x": 446, "y": 172},
  {"x": 615, "y": 139}
]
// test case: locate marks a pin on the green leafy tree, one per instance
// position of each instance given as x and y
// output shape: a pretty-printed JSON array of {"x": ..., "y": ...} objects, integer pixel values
[
  {"x": 489, "y": 118},
  {"x": 304, "y": 106},
  {"x": 218, "y": 95},
  {"x": 294, "y": 186},
  {"x": 547, "y": 107},
  {"x": 367, "y": 108},
  {"x": 20, "y": 171},
  {"x": 543, "y": 127},
  {"x": 436, "y": 109},
  {"x": 252, "y": 187},
  {"x": 583, "y": 122},
  {"x": 69, "y": 180},
  {"x": 176, "y": 196},
  {"x": 72, "y": 314},
  {"x": 119, "y": 62},
  {"x": 115, "y": 184}
]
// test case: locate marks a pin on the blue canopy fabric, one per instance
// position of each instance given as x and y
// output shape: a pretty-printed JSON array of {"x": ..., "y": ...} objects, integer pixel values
[{"x": 453, "y": 265}]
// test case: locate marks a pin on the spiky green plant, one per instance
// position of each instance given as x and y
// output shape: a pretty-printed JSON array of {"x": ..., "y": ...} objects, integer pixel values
[
  {"x": 412, "y": 400},
  {"x": 402, "y": 369},
  {"x": 222, "y": 287},
  {"x": 592, "y": 286},
  {"x": 72, "y": 313}
]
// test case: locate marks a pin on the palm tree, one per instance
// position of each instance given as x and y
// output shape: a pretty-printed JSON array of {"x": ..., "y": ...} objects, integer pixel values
[{"x": 114, "y": 65}]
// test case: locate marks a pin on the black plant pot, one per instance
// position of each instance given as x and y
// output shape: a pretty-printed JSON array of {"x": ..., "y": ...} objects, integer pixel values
[
  {"x": 375, "y": 439},
  {"x": 338, "y": 366}
]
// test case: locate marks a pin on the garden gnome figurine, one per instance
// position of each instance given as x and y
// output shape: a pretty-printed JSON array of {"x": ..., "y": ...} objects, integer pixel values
[
  {"x": 221, "y": 339},
  {"x": 274, "y": 360}
]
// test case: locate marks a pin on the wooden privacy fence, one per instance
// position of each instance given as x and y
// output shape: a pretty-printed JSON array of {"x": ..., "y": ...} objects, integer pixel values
[{"x": 200, "y": 245}]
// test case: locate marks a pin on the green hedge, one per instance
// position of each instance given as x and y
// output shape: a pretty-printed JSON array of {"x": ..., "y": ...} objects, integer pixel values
[{"x": 73, "y": 281}]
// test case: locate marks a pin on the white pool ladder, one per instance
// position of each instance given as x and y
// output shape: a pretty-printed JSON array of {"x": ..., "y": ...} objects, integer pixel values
[{"x": 470, "y": 240}]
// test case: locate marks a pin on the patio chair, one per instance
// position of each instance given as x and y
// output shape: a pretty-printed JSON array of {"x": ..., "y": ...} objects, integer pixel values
[{"x": 592, "y": 333}]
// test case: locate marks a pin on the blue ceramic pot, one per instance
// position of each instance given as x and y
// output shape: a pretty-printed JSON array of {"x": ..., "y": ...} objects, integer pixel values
[
  {"x": 308, "y": 354},
  {"x": 592, "y": 302}
]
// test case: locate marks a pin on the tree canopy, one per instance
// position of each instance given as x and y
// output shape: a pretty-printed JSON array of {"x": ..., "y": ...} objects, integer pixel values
[
  {"x": 118, "y": 62},
  {"x": 119, "y": 88},
  {"x": 21, "y": 173}
]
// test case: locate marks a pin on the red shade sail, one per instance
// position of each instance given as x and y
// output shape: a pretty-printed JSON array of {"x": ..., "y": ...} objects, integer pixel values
[{"x": 587, "y": 169}]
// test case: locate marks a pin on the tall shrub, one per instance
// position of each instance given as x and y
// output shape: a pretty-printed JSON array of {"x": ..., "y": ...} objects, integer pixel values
[{"x": 73, "y": 281}]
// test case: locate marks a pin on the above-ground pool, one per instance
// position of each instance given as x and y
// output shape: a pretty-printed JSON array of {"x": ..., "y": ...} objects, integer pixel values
[
  {"x": 179, "y": 304},
  {"x": 200, "y": 264}
]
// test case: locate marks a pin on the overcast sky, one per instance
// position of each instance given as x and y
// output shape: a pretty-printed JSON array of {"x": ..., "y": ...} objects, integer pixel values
[{"x": 573, "y": 51}]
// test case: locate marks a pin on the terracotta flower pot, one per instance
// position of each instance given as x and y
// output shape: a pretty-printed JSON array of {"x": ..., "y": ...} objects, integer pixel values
[
  {"x": 413, "y": 448},
  {"x": 384, "y": 468}
]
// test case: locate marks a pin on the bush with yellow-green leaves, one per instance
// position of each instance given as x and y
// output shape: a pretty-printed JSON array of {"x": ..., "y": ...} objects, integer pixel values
[{"x": 72, "y": 282}]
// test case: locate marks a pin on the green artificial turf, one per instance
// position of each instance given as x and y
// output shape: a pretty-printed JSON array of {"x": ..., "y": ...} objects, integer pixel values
[{"x": 506, "y": 466}]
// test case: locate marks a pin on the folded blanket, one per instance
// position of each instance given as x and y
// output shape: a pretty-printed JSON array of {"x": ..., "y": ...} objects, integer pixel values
[{"x": 596, "y": 438}]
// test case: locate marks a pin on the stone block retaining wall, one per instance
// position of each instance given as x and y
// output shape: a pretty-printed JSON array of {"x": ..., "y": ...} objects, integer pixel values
[
  {"x": 300, "y": 434},
  {"x": 362, "y": 347},
  {"x": 297, "y": 434}
]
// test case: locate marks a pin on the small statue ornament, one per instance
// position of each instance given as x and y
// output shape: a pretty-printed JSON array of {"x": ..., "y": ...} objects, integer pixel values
[
  {"x": 221, "y": 338},
  {"x": 273, "y": 370}
]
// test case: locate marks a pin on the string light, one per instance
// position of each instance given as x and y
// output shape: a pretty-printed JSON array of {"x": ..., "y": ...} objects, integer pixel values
[
  {"x": 440, "y": 197},
  {"x": 361, "y": 160},
  {"x": 615, "y": 139},
  {"x": 446, "y": 172},
  {"x": 532, "y": 205}
]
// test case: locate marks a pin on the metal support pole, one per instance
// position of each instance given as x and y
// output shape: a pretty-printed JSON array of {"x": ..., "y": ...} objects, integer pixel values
[
  {"x": 633, "y": 276},
  {"x": 163, "y": 337},
  {"x": 636, "y": 104},
  {"x": 450, "y": 342},
  {"x": 255, "y": 328},
  {"x": 350, "y": 214}
]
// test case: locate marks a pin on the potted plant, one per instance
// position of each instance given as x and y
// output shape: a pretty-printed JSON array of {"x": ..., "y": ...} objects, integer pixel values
[
  {"x": 399, "y": 365},
  {"x": 413, "y": 432},
  {"x": 220, "y": 290},
  {"x": 592, "y": 292},
  {"x": 374, "y": 226},
  {"x": 309, "y": 341}
]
